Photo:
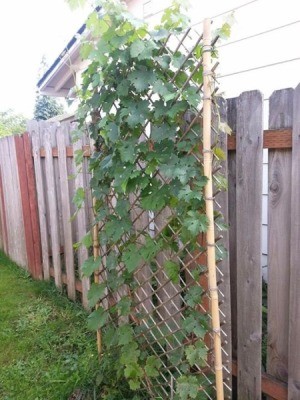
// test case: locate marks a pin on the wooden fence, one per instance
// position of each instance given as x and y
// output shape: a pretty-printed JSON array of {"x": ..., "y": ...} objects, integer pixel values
[{"x": 37, "y": 231}]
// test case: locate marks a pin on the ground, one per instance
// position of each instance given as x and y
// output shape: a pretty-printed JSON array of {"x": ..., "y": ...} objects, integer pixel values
[{"x": 46, "y": 352}]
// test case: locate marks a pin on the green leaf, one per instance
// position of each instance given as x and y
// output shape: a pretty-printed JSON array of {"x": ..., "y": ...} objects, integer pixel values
[
  {"x": 164, "y": 131},
  {"x": 187, "y": 194},
  {"x": 196, "y": 354},
  {"x": 172, "y": 270},
  {"x": 127, "y": 150},
  {"x": 125, "y": 335},
  {"x": 90, "y": 266},
  {"x": 131, "y": 258},
  {"x": 196, "y": 222},
  {"x": 97, "y": 319},
  {"x": 136, "y": 48},
  {"x": 187, "y": 387},
  {"x": 154, "y": 197},
  {"x": 87, "y": 240},
  {"x": 194, "y": 324},
  {"x": 95, "y": 293},
  {"x": 141, "y": 79},
  {"x": 149, "y": 250},
  {"x": 79, "y": 197},
  {"x": 124, "y": 306},
  {"x": 130, "y": 354},
  {"x": 123, "y": 87},
  {"x": 152, "y": 366},
  {"x": 193, "y": 296},
  {"x": 113, "y": 132}
]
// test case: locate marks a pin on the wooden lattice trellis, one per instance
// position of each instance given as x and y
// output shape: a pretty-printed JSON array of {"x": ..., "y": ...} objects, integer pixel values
[{"x": 158, "y": 299}]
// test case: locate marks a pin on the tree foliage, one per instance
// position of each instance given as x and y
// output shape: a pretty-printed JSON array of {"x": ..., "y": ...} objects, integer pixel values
[
  {"x": 46, "y": 107},
  {"x": 11, "y": 123}
]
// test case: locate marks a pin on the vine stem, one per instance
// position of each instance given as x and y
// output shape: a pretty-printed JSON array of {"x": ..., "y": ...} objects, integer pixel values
[
  {"x": 96, "y": 253},
  {"x": 209, "y": 202}
]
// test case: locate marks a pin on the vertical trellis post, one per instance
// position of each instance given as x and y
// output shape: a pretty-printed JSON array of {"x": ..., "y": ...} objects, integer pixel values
[
  {"x": 96, "y": 253},
  {"x": 211, "y": 254}
]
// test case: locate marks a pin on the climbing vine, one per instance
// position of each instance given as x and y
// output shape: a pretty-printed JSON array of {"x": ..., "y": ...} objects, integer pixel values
[{"x": 140, "y": 101}]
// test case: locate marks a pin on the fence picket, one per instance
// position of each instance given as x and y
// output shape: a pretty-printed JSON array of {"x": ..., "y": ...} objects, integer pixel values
[
  {"x": 32, "y": 192},
  {"x": 66, "y": 212},
  {"x": 279, "y": 209},
  {"x": 33, "y": 128},
  {"x": 53, "y": 208},
  {"x": 248, "y": 214},
  {"x": 231, "y": 120},
  {"x": 294, "y": 315},
  {"x": 82, "y": 228}
]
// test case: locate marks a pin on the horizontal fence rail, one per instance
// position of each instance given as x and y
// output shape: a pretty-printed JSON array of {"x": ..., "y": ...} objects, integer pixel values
[{"x": 39, "y": 229}]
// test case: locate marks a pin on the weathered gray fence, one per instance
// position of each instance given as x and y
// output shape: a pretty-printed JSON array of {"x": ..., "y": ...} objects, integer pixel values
[{"x": 37, "y": 231}]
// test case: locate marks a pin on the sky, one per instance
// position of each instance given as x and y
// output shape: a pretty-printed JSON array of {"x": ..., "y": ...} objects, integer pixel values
[{"x": 30, "y": 29}]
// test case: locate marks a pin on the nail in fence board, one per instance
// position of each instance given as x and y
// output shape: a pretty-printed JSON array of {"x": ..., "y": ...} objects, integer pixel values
[
  {"x": 249, "y": 163},
  {"x": 66, "y": 212},
  {"x": 279, "y": 222},
  {"x": 82, "y": 228},
  {"x": 294, "y": 315},
  {"x": 33, "y": 128},
  {"x": 53, "y": 207}
]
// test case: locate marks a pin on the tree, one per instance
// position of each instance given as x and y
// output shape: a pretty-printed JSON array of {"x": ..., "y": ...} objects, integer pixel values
[
  {"x": 11, "y": 123},
  {"x": 45, "y": 106}
]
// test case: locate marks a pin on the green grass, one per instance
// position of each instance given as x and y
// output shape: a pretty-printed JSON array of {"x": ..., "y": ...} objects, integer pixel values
[{"x": 46, "y": 352}]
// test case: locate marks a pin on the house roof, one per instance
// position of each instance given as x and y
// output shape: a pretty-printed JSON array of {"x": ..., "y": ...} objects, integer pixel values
[
  {"x": 47, "y": 75},
  {"x": 60, "y": 78}
]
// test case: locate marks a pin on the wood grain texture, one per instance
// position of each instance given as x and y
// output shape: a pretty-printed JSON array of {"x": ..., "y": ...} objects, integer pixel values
[
  {"x": 279, "y": 222},
  {"x": 294, "y": 315},
  {"x": 25, "y": 203},
  {"x": 66, "y": 212},
  {"x": 81, "y": 229},
  {"x": 231, "y": 120},
  {"x": 33, "y": 129},
  {"x": 33, "y": 202},
  {"x": 273, "y": 139},
  {"x": 249, "y": 160},
  {"x": 270, "y": 386},
  {"x": 223, "y": 274},
  {"x": 13, "y": 205},
  {"x": 3, "y": 214},
  {"x": 53, "y": 207}
]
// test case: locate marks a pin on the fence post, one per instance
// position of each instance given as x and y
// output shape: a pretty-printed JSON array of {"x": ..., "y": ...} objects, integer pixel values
[
  {"x": 249, "y": 206},
  {"x": 294, "y": 315}
]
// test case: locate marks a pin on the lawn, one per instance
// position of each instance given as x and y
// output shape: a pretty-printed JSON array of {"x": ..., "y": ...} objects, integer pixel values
[{"x": 46, "y": 352}]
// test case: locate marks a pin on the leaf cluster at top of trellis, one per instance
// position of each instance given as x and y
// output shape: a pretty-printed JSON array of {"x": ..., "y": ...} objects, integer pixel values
[{"x": 142, "y": 96}]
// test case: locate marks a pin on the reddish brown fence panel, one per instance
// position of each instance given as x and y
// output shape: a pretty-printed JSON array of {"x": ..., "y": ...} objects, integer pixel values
[{"x": 28, "y": 200}]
